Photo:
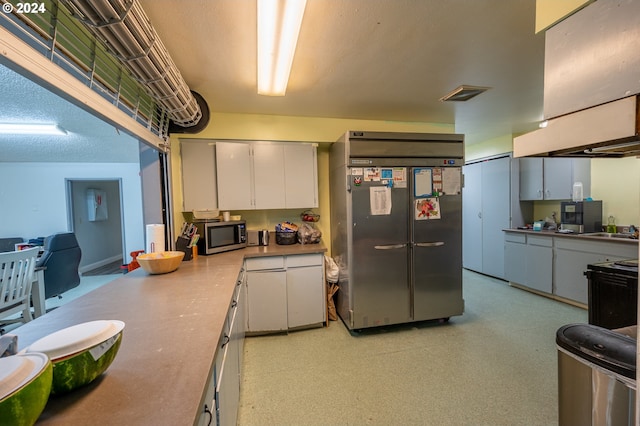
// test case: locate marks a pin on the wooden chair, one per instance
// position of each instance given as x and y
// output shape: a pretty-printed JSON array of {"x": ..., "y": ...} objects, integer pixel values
[{"x": 16, "y": 278}]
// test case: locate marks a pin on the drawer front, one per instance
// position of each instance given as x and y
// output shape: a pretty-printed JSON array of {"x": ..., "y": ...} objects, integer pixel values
[
  {"x": 515, "y": 238},
  {"x": 310, "y": 259},
  {"x": 264, "y": 263},
  {"x": 537, "y": 240}
]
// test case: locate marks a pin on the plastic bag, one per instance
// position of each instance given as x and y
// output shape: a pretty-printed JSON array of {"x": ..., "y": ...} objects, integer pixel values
[
  {"x": 308, "y": 234},
  {"x": 332, "y": 274},
  {"x": 331, "y": 270}
]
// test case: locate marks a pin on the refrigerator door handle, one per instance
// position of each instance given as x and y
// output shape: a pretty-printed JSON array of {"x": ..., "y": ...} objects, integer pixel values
[
  {"x": 433, "y": 244},
  {"x": 389, "y": 247}
]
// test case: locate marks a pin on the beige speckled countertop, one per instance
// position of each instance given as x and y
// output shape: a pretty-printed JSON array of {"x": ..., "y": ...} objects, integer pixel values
[
  {"x": 580, "y": 236},
  {"x": 173, "y": 324}
]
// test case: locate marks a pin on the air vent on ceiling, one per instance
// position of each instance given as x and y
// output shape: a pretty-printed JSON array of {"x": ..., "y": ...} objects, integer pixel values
[{"x": 463, "y": 93}]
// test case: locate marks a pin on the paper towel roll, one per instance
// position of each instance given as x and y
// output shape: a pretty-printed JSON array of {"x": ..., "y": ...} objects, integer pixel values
[{"x": 155, "y": 238}]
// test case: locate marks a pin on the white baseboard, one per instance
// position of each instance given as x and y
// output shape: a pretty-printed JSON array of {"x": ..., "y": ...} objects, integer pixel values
[{"x": 100, "y": 263}]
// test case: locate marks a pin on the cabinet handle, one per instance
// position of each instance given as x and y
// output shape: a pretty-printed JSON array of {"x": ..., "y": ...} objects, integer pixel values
[
  {"x": 207, "y": 410},
  {"x": 225, "y": 341},
  {"x": 479, "y": 215}
]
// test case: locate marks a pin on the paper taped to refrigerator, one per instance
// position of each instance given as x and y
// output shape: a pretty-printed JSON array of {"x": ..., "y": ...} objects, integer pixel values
[
  {"x": 451, "y": 180},
  {"x": 423, "y": 182},
  {"x": 380, "y": 200},
  {"x": 427, "y": 209}
]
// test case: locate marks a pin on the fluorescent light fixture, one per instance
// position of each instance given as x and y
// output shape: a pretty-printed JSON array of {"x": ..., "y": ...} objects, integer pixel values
[
  {"x": 279, "y": 24},
  {"x": 31, "y": 129}
]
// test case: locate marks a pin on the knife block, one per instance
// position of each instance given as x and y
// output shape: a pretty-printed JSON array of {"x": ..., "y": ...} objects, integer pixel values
[{"x": 182, "y": 244}]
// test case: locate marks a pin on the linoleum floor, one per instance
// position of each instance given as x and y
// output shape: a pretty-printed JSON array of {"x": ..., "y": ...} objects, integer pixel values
[{"x": 494, "y": 365}]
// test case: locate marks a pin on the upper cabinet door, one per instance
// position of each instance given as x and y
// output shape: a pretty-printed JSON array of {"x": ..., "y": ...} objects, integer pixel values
[
  {"x": 235, "y": 176},
  {"x": 268, "y": 168},
  {"x": 300, "y": 175},
  {"x": 199, "y": 186},
  {"x": 531, "y": 179},
  {"x": 558, "y": 183}
]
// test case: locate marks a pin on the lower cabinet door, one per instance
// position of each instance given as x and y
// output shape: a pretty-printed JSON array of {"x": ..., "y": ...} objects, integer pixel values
[
  {"x": 305, "y": 296},
  {"x": 267, "y": 301}
]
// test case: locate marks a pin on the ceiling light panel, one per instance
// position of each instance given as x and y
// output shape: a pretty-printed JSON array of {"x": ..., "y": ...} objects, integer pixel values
[
  {"x": 279, "y": 24},
  {"x": 31, "y": 129}
]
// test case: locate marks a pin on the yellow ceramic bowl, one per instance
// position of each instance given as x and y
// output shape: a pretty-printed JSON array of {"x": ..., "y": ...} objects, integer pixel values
[{"x": 160, "y": 262}]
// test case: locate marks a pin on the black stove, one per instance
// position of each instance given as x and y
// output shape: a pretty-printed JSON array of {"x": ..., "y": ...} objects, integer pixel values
[
  {"x": 613, "y": 293},
  {"x": 627, "y": 267}
]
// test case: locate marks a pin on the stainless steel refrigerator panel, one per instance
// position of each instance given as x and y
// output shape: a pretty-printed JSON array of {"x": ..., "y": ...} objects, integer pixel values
[
  {"x": 380, "y": 279},
  {"x": 340, "y": 225},
  {"x": 437, "y": 262}
]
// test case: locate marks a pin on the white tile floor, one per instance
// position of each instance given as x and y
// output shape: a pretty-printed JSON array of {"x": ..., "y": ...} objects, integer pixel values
[{"x": 494, "y": 365}]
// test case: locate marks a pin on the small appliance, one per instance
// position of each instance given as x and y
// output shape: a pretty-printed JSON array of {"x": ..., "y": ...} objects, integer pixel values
[
  {"x": 581, "y": 216},
  {"x": 217, "y": 237},
  {"x": 258, "y": 238}
]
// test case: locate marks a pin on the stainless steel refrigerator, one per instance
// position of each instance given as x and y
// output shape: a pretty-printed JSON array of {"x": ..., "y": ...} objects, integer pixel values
[{"x": 396, "y": 226}]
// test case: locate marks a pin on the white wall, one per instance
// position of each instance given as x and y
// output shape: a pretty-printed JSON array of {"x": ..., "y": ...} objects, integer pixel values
[
  {"x": 33, "y": 198},
  {"x": 108, "y": 231}
]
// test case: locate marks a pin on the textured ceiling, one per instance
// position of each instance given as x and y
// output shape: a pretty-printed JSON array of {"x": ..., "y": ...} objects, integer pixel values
[
  {"x": 88, "y": 140},
  {"x": 360, "y": 59},
  {"x": 370, "y": 59}
]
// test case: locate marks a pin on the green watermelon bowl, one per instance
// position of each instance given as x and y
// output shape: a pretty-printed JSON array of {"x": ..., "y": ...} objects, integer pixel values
[
  {"x": 80, "y": 353},
  {"x": 25, "y": 384}
]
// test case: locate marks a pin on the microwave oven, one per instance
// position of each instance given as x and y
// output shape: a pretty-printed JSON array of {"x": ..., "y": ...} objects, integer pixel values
[{"x": 216, "y": 237}]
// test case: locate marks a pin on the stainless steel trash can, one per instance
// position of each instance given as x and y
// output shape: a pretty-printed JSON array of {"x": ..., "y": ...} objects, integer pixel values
[{"x": 596, "y": 376}]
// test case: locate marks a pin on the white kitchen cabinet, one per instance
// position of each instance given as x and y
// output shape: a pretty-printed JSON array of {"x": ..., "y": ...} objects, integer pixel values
[
  {"x": 234, "y": 172},
  {"x": 266, "y": 175},
  {"x": 301, "y": 176},
  {"x": 222, "y": 396},
  {"x": 489, "y": 205},
  {"x": 267, "y": 297},
  {"x": 556, "y": 264},
  {"x": 539, "y": 257},
  {"x": 553, "y": 178},
  {"x": 285, "y": 292},
  {"x": 199, "y": 183},
  {"x": 529, "y": 260},
  {"x": 515, "y": 257},
  {"x": 269, "y": 179},
  {"x": 574, "y": 255},
  {"x": 304, "y": 272}
]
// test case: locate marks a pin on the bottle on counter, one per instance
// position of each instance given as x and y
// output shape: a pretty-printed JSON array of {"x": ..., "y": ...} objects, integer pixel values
[{"x": 611, "y": 225}]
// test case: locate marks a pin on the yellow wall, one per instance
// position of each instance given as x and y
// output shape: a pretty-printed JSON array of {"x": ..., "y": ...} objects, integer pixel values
[
  {"x": 489, "y": 148},
  {"x": 285, "y": 128},
  {"x": 550, "y": 12}
]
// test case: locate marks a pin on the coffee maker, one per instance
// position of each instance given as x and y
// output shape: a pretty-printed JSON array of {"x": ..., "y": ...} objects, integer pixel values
[{"x": 581, "y": 216}]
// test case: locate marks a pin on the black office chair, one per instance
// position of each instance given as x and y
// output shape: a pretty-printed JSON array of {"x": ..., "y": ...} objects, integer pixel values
[{"x": 61, "y": 258}]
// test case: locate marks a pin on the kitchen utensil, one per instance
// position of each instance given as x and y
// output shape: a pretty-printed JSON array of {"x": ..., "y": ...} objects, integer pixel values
[{"x": 162, "y": 262}]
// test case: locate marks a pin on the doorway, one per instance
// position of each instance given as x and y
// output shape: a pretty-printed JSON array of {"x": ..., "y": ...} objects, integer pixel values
[{"x": 95, "y": 215}]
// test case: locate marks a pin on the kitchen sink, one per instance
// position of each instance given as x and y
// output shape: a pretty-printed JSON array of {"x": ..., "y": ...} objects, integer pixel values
[{"x": 607, "y": 235}]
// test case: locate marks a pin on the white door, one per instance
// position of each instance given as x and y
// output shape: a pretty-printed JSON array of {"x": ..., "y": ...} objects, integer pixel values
[
  {"x": 472, "y": 217},
  {"x": 496, "y": 212},
  {"x": 268, "y": 168},
  {"x": 301, "y": 177},
  {"x": 305, "y": 296},
  {"x": 267, "y": 297},
  {"x": 235, "y": 176}
]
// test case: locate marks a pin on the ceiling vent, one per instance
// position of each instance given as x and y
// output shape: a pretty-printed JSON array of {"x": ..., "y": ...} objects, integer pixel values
[{"x": 463, "y": 93}]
